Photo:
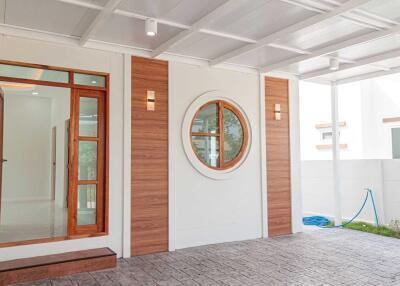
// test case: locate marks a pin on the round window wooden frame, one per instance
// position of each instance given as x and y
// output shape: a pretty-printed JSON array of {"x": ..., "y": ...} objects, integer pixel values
[{"x": 221, "y": 105}]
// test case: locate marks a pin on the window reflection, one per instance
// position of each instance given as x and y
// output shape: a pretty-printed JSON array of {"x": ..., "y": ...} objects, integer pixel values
[{"x": 34, "y": 171}]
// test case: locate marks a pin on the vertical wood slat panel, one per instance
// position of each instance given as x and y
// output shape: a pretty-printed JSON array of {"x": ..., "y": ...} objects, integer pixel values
[
  {"x": 149, "y": 157},
  {"x": 278, "y": 157}
]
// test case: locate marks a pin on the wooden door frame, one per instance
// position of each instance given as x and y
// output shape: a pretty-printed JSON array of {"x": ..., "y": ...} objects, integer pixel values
[
  {"x": 102, "y": 159},
  {"x": 2, "y": 144},
  {"x": 104, "y": 229}
]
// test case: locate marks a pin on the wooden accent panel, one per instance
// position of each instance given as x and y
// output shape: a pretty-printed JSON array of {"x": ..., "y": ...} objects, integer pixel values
[
  {"x": 329, "y": 146},
  {"x": 50, "y": 266},
  {"x": 278, "y": 157},
  {"x": 149, "y": 157},
  {"x": 391, "y": 119},
  {"x": 329, "y": 125}
]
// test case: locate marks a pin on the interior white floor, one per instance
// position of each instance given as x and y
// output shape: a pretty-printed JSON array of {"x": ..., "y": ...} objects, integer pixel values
[{"x": 26, "y": 220}]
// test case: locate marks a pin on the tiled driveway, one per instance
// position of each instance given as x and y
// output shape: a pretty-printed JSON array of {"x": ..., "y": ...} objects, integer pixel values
[{"x": 322, "y": 257}]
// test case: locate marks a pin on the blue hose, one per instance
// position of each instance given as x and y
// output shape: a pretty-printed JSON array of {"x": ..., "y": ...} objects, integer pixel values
[{"x": 324, "y": 222}]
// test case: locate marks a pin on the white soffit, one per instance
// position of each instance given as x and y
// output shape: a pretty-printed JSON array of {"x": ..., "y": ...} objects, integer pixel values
[
  {"x": 258, "y": 18},
  {"x": 181, "y": 11},
  {"x": 385, "y": 8},
  {"x": 331, "y": 31},
  {"x": 296, "y": 50},
  {"x": 52, "y": 16},
  {"x": 261, "y": 57},
  {"x": 349, "y": 73},
  {"x": 130, "y": 32},
  {"x": 204, "y": 46},
  {"x": 371, "y": 48}
]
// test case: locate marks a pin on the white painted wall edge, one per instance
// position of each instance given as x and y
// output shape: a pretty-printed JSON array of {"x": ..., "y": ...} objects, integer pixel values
[
  {"x": 126, "y": 228},
  {"x": 295, "y": 171},
  {"x": 263, "y": 161},
  {"x": 171, "y": 189}
]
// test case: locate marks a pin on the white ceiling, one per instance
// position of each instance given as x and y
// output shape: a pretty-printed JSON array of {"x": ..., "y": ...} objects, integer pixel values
[{"x": 294, "y": 36}]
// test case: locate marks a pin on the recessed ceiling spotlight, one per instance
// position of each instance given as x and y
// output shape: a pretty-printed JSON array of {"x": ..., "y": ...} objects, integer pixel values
[
  {"x": 35, "y": 93},
  {"x": 333, "y": 64},
  {"x": 151, "y": 27},
  {"x": 94, "y": 82}
]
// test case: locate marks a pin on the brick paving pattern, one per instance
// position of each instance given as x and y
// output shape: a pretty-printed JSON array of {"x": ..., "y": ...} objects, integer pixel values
[{"x": 322, "y": 257}]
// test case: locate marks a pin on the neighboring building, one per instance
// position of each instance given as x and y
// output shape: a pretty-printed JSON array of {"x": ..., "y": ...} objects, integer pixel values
[{"x": 369, "y": 120}]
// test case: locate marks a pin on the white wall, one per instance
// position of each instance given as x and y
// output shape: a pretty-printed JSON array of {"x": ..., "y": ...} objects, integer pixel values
[
  {"x": 206, "y": 210},
  {"x": 381, "y": 176},
  {"x": 80, "y": 58},
  {"x": 27, "y": 148},
  {"x": 60, "y": 112},
  {"x": 202, "y": 210}
]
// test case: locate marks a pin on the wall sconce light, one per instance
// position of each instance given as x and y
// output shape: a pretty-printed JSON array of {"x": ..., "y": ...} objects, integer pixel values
[
  {"x": 151, "y": 100},
  {"x": 277, "y": 111}
]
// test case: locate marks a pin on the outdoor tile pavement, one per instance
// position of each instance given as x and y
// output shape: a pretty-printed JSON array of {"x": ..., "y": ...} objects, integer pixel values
[{"x": 322, "y": 257}]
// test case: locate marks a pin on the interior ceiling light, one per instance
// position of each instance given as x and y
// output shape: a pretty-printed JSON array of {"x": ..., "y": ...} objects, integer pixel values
[
  {"x": 151, "y": 27},
  {"x": 35, "y": 93},
  {"x": 333, "y": 64}
]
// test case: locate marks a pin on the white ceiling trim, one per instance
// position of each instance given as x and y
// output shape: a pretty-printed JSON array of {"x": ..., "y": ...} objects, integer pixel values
[
  {"x": 362, "y": 62},
  {"x": 368, "y": 76},
  {"x": 197, "y": 26},
  {"x": 100, "y": 19},
  {"x": 333, "y": 48},
  {"x": 348, "y": 6},
  {"x": 33, "y": 34}
]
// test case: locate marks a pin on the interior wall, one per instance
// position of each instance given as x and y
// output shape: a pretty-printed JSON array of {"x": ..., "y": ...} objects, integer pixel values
[
  {"x": 27, "y": 133},
  {"x": 60, "y": 113},
  {"x": 15, "y": 49},
  {"x": 204, "y": 210}
]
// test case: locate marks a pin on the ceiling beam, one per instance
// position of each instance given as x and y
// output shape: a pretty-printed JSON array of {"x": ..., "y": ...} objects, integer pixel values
[
  {"x": 333, "y": 48},
  {"x": 368, "y": 76},
  {"x": 197, "y": 26},
  {"x": 357, "y": 16},
  {"x": 100, "y": 19},
  {"x": 130, "y": 14},
  {"x": 320, "y": 18},
  {"x": 362, "y": 62}
]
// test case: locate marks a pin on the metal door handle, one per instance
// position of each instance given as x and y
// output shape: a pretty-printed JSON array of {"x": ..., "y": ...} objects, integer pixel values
[{"x": 4, "y": 160}]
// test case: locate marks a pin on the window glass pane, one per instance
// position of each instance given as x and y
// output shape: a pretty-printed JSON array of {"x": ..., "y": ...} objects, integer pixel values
[
  {"x": 89, "y": 79},
  {"x": 35, "y": 137},
  {"x": 87, "y": 169},
  {"x": 396, "y": 143},
  {"x": 33, "y": 73},
  {"x": 88, "y": 111},
  {"x": 206, "y": 120},
  {"x": 86, "y": 205},
  {"x": 207, "y": 148},
  {"x": 233, "y": 135}
]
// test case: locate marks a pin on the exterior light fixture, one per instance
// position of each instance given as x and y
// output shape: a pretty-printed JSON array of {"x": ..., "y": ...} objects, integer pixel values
[
  {"x": 277, "y": 111},
  {"x": 333, "y": 64},
  {"x": 151, "y": 100},
  {"x": 151, "y": 27}
]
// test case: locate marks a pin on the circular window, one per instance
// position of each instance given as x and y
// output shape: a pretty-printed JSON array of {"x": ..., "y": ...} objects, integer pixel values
[{"x": 219, "y": 135}]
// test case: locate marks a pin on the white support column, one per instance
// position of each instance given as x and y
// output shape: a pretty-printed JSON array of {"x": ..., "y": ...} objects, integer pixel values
[
  {"x": 336, "y": 153},
  {"x": 126, "y": 237}
]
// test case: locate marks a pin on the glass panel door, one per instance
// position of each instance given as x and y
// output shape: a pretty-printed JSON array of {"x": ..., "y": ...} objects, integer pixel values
[{"x": 87, "y": 199}]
